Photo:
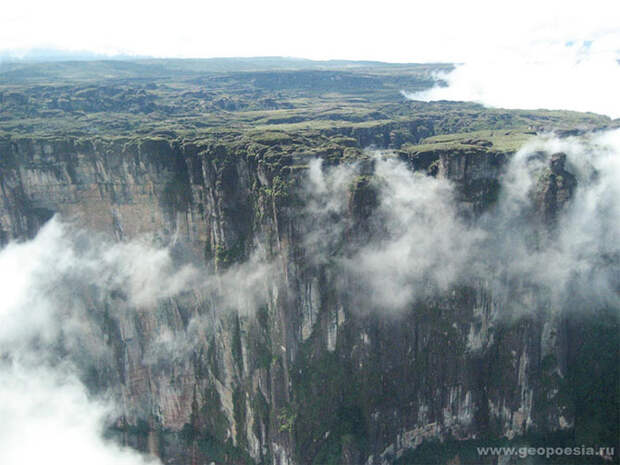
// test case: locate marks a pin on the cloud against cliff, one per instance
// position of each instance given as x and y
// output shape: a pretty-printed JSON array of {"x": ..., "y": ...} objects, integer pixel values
[
  {"x": 583, "y": 258},
  {"x": 63, "y": 270},
  {"x": 558, "y": 76},
  {"x": 50, "y": 336},
  {"x": 425, "y": 246},
  {"x": 59, "y": 289},
  {"x": 49, "y": 418},
  {"x": 325, "y": 221},
  {"x": 415, "y": 244},
  {"x": 420, "y": 244}
]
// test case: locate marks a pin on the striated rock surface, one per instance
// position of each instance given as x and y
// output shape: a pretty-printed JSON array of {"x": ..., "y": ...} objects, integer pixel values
[{"x": 307, "y": 378}]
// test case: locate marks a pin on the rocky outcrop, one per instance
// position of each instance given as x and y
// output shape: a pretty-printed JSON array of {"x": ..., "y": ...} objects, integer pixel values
[
  {"x": 556, "y": 187},
  {"x": 307, "y": 378}
]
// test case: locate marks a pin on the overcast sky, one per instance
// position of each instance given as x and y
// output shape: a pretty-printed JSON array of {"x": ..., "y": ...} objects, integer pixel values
[
  {"x": 556, "y": 54},
  {"x": 379, "y": 30}
]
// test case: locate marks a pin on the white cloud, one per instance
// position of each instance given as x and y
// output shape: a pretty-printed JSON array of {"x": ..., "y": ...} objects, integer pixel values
[
  {"x": 48, "y": 279},
  {"x": 391, "y": 30},
  {"x": 515, "y": 53},
  {"x": 49, "y": 418},
  {"x": 426, "y": 246},
  {"x": 578, "y": 76},
  {"x": 419, "y": 245},
  {"x": 55, "y": 290},
  {"x": 50, "y": 286}
]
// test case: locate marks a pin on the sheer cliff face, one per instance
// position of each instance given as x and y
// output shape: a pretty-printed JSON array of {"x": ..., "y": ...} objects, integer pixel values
[{"x": 294, "y": 362}]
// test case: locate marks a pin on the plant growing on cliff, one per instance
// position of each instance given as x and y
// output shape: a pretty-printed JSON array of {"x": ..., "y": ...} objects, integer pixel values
[
  {"x": 225, "y": 257},
  {"x": 286, "y": 419}
]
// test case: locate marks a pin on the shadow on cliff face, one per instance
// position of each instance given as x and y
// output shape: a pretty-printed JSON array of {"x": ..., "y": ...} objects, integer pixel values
[
  {"x": 60, "y": 292},
  {"x": 553, "y": 233}
]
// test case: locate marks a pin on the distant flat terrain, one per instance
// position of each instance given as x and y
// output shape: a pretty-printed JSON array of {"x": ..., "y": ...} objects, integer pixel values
[{"x": 282, "y": 102}]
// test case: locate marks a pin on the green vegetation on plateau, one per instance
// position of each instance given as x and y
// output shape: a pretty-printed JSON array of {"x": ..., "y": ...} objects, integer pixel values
[{"x": 287, "y": 106}]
